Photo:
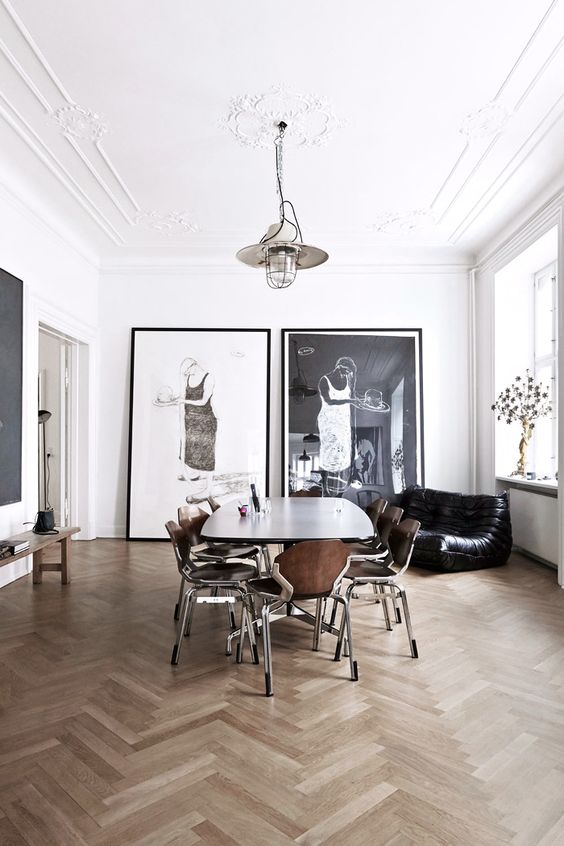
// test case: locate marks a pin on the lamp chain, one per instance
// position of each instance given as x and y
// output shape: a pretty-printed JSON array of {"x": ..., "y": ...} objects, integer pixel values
[{"x": 279, "y": 144}]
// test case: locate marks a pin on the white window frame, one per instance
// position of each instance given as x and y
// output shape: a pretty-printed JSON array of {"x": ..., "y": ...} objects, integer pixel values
[{"x": 549, "y": 359}]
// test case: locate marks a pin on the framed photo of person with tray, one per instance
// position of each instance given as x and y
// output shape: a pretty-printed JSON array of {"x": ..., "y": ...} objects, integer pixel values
[{"x": 352, "y": 403}]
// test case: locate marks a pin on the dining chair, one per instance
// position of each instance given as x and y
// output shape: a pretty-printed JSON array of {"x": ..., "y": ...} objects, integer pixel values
[
  {"x": 383, "y": 576},
  {"x": 197, "y": 576},
  {"x": 308, "y": 570},
  {"x": 315, "y": 492},
  {"x": 389, "y": 518},
  {"x": 366, "y": 496},
  {"x": 192, "y": 518},
  {"x": 374, "y": 545}
]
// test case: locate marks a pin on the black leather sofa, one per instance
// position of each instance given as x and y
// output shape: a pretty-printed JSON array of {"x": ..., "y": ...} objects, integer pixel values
[{"x": 458, "y": 531}]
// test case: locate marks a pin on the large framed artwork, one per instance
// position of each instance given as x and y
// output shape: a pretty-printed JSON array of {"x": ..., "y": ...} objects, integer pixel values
[
  {"x": 11, "y": 317},
  {"x": 199, "y": 421},
  {"x": 352, "y": 420}
]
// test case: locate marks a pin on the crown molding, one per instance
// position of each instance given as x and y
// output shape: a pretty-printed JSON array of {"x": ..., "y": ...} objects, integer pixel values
[
  {"x": 523, "y": 232},
  {"x": 541, "y": 130},
  {"x": 36, "y": 219},
  {"x": 232, "y": 268}
]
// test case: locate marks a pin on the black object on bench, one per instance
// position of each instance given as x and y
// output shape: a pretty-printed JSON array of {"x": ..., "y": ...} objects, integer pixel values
[{"x": 458, "y": 531}]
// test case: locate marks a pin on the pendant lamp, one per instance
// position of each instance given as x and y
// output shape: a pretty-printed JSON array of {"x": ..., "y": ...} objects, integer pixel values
[
  {"x": 281, "y": 250},
  {"x": 299, "y": 390}
]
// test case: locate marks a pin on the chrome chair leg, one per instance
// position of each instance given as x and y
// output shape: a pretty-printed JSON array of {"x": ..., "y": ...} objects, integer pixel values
[
  {"x": 267, "y": 646},
  {"x": 250, "y": 615},
  {"x": 178, "y": 606},
  {"x": 243, "y": 629},
  {"x": 267, "y": 559},
  {"x": 230, "y": 613},
  {"x": 186, "y": 604},
  {"x": 341, "y": 638},
  {"x": 407, "y": 617},
  {"x": 191, "y": 602},
  {"x": 317, "y": 626},
  {"x": 385, "y": 608},
  {"x": 346, "y": 624}
]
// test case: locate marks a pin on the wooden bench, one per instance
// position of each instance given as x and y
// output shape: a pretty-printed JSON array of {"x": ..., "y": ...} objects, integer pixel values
[{"x": 37, "y": 544}]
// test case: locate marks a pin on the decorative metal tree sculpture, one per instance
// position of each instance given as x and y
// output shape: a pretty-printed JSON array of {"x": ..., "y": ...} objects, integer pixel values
[{"x": 524, "y": 401}]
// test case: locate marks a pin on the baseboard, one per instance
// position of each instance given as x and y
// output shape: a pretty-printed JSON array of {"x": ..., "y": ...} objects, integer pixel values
[{"x": 534, "y": 557}]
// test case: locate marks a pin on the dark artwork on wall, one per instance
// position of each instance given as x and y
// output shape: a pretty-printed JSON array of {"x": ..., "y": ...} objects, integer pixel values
[
  {"x": 11, "y": 312},
  {"x": 198, "y": 421},
  {"x": 352, "y": 412}
]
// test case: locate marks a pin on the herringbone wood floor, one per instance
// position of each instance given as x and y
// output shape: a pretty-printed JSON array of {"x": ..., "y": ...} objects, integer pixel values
[{"x": 103, "y": 742}]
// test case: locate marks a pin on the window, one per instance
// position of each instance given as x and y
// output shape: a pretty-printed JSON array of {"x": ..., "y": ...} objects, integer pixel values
[
  {"x": 545, "y": 346},
  {"x": 526, "y": 338}
]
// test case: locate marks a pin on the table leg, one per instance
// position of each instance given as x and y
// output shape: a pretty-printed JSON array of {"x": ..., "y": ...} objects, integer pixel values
[
  {"x": 37, "y": 571},
  {"x": 65, "y": 544}
]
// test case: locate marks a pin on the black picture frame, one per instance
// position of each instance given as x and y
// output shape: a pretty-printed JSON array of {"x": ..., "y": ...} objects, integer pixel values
[
  {"x": 11, "y": 374},
  {"x": 199, "y": 421},
  {"x": 359, "y": 436}
]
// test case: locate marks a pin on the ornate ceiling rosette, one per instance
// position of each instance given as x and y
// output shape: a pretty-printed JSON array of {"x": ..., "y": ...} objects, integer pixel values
[
  {"x": 403, "y": 222},
  {"x": 170, "y": 223},
  {"x": 80, "y": 122},
  {"x": 254, "y": 118},
  {"x": 485, "y": 122}
]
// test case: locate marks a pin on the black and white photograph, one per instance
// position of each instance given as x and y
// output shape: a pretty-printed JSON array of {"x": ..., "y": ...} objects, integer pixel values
[
  {"x": 198, "y": 421},
  {"x": 352, "y": 411}
]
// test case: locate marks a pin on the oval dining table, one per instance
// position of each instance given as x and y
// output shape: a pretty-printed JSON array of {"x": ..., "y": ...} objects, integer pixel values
[{"x": 291, "y": 520}]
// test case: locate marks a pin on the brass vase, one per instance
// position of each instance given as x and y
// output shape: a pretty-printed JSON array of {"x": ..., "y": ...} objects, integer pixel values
[{"x": 526, "y": 434}]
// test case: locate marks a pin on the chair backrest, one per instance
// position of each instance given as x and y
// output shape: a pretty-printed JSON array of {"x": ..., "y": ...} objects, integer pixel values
[
  {"x": 375, "y": 509},
  {"x": 401, "y": 542},
  {"x": 389, "y": 517},
  {"x": 313, "y": 567},
  {"x": 181, "y": 546},
  {"x": 366, "y": 495},
  {"x": 192, "y": 519},
  {"x": 308, "y": 492},
  {"x": 213, "y": 503}
]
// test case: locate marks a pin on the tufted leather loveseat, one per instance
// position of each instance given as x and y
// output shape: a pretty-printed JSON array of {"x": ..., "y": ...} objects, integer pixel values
[{"x": 458, "y": 531}]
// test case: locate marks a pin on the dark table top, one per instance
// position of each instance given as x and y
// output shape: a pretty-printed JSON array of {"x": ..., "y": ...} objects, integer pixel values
[{"x": 292, "y": 519}]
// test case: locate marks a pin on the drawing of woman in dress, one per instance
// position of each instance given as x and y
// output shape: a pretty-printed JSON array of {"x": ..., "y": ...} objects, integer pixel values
[
  {"x": 335, "y": 424},
  {"x": 198, "y": 423}
]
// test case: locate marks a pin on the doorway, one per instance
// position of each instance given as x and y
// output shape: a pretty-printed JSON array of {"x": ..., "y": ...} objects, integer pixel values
[{"x": 55, "y": 421}]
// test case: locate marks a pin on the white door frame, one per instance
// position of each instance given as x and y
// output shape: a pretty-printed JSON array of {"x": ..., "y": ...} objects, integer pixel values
[{"x": 82, "y": 409}]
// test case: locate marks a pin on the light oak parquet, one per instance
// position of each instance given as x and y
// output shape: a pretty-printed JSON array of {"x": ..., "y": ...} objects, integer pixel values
[{"x": 103, "y": 743}]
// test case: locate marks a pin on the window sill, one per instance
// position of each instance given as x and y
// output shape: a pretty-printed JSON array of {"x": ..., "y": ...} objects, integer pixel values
[{"x": 547, "y": 487}]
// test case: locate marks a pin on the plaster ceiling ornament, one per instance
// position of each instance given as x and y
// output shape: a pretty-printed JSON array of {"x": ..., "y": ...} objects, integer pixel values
[
  {"x": 403, "y": 222},
  {"x": 80, "y": 122},
  {"x": 485, "y": 122},
  {"x": 171, "y": 223},
  {"x": 253, "y": 117}
]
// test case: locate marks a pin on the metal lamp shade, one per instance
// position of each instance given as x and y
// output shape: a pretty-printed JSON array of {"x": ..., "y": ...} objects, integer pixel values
[
  {"x": 281, "y": 255},
  {"x": 255, "y": 256}
]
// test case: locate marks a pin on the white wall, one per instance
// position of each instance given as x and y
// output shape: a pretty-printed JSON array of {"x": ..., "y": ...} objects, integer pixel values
[
  {"x": 56, "y": 277},
  {"x": 435, "y": 299}
]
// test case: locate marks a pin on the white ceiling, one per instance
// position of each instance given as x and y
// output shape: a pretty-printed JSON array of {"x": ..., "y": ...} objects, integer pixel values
[{"x": 390, "y": 83}]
